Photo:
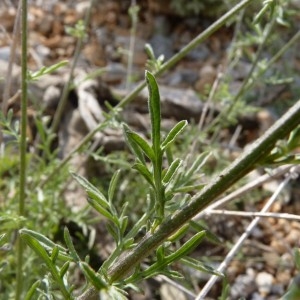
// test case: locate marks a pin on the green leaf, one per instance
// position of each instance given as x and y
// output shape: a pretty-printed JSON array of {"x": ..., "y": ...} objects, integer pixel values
[
  {"x": 187, "y": 247},
  {"x": 112, "y": 185},
  {"x": 54, "y": 254},
  {"x": 41, "y": 252},
  {"x": 92, "y": 277},
  {"x": 149, "y": 51},
  {"x": 174, "y": 132},
  {"x": 144, "y": 172},
  {"x": 63, "y": 270},
  {"x": 200, "y": 266},
  {"x": 46, "y": 70},
  {"x": 172, "y": 170},
  {"x": 142, "y": 143},
  {"x": 113, "y": 231},
  {"x": 100, "y": 209},
  {"x": 160, "y": 254},
  {"x": 46, "y": 242},
  {"x": 32, "y": 290},
  {"x": 70, "y": 245},
  {"x": 123, "y": 224},
  {"x": 197, "y": 165},
  {"x": 154, "y": 109},
  {"x": 179, "y": 233},
  {"x": 171, "y": 274},
  {"x": 209, "y": 234},
  {"x": 293, "y": 292},
  {"x": 135, "y": 149},
  {"x": 297, "y": 258},
  {"x": 91, "y": 190}
]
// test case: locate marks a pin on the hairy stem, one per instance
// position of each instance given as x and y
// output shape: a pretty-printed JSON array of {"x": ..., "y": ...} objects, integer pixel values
[{"x": 239, "y": 168}]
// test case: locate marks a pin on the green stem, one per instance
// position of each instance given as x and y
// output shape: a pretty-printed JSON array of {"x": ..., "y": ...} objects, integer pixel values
[
  {"x": 23, "y": 145},
  {"x": 247, "y": 83},
  {"x": 239, "y": 168},
  {"x": 167, "y": 65},
  {"x": 189, "y": 47}
]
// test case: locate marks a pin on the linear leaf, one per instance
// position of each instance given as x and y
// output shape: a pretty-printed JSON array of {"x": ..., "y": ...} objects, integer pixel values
[
  {"x": 154, "y": 109},
  {"x": 142, "y": 143},
  {"x": 70, "y": 245},
  {"x": 112, "y": 185},
  {"x": 32, "y": 290},
  {"x": 200, "y": 266},
  {"x": 172, "y": 170},
  {"x": 198, "y": 163},
  {"x": 174, "y": 132},
  {"x": 187, "y": 247},
  {"x": 46, "y": 242},
  {"x": 54, "y": 254},
  {"x": 135, "y": 149},
  {"x": 63, "y": 270},
  {"x": 91, "y": 276},
  {"x": 100, "y": 209},
  {"x": 41, "y": 252},
  {"x": 91, "y": 190},
  {"x": 144, "y": 172}
]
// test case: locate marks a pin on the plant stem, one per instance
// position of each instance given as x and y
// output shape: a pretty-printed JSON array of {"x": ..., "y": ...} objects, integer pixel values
[
  {"x": 239, "y": 168},
  {"x": 189, "y": 47},
  {"x": 65, "y": 93},
  {"x": 22, "y": 193},
  {"x": 167, "y": 65}
]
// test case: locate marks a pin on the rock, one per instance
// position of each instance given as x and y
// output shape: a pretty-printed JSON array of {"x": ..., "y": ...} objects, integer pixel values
[
  {"x": 207, "y": 76},
  {"x": 162, "y": 45},
  {"x": 169, "y": 292},
  {"x": 243, "y": 285},
  {"x": 264, "y": 283}
]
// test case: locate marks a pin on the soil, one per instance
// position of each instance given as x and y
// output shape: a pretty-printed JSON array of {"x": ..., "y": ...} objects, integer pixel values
[{"x": 264, "y": 266}]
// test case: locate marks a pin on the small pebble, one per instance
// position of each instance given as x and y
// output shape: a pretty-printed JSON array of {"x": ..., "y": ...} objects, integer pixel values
[{"x": 264, "y": 283}]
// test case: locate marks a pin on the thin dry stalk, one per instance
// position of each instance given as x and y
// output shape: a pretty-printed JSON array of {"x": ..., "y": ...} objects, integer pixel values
[
  {"x": 242, "y": 239},
  {"x": 285, "y": 216},
  {"x": 244, "y": 189}
]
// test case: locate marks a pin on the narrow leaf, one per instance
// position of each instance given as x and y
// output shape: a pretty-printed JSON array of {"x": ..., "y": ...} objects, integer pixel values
[
  {"x": 54, "y": 254},
  {"x": 41, "y": 252},
  {"x": 135, "y": 149},
  {"x": 92, "y": 277},
  {"x": 46, "y": 242},
  {"x": 144, "y": 172},
  {"x": 179, "y": 233},
  {"x": 160, "y": 253},
  {"x": 101, "y": 210},
  {"x": 154, "y": 109},
  {"x": 142, "y": 143},
  {"x": 187, "y": 247},
  {"x": 172, "y": 170},
  {"x": 32, "y": 290},
  {"x": 198, "y": 163},
  {"x": 112, "y": 185},
  {"x": 209, "y": 234},
  {"x": 63, "y": 270},
  {"x": 200, "y": 266},
  {"x": 70, "y": 245},
  {"x": 174, "y": 132},
  {"x": 91, "y": 190}
]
